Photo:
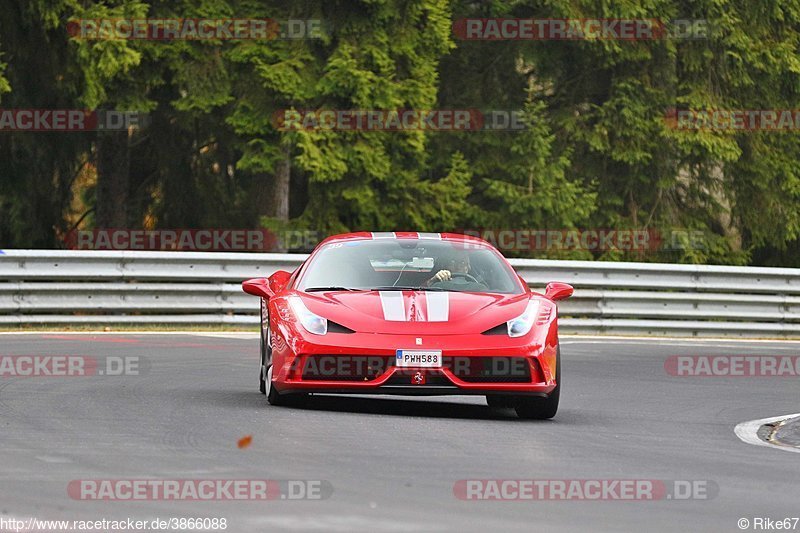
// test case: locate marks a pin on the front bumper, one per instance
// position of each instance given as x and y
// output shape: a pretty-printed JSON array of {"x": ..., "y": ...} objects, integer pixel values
[
  {"x": 413, "y": 390},
  {"x": 363, "y": 364}
]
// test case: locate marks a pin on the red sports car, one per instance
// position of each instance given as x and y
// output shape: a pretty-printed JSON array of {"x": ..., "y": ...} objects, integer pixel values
[{"x": 412, "y": 314}]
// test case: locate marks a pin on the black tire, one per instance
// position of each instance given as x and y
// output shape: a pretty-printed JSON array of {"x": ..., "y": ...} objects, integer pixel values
[
  {"x": 500, "y": 401},
  {"x": 535, "y": 408},
  {"x": 266, "y": 356},
  {"x": 293, "y": 399},
  {"x": 272, "y": 396}
]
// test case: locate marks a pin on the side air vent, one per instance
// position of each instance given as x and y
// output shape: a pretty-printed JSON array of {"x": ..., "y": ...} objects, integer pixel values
[
  {"x": 333, "y": 327},
  {"x": 500, "y": 329}
]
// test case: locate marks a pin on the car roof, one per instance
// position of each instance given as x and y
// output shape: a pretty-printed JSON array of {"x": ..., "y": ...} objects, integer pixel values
[{"x": 377, "y": 235}]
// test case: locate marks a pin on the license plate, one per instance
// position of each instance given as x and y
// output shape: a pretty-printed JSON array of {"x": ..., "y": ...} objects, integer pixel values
[{"x": 419, "y": 358}]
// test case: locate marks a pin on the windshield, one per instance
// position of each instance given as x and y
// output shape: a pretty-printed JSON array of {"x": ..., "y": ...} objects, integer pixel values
[{"x": 397, "y": 264}]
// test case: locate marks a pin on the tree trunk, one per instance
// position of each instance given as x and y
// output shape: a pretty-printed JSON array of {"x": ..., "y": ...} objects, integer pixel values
[
  {"x": 278, "y": 205},
  {"x": 273, "y": 196},
  {"x": 113, "y": 180}
]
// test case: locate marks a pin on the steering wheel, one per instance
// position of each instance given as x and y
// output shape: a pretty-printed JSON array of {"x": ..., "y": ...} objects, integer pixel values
[{"x": 465, "y": 276}]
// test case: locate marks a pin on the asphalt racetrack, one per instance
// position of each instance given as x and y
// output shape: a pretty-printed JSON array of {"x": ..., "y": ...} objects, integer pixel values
[{"x": 392, "y": 462}]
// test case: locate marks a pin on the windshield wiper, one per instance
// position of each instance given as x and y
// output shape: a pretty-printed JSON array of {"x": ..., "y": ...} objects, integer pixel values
[
  {"x": 401, "y": 288},
  {"x": 334, "y": 288}
]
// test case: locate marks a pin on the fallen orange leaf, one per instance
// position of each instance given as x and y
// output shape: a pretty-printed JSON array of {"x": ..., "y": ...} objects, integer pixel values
[{"x": 244, "y": 442}]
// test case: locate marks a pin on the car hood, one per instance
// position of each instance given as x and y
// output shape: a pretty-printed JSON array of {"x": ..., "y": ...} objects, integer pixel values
[{"x": 416, "y": 312}]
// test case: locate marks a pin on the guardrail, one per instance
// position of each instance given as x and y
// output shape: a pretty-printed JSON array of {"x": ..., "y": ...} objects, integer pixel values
[{"x": 47, "y": 286}]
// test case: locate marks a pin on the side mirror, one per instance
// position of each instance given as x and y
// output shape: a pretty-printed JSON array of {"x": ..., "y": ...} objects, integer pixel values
[
  {"x": 278, "y": 280},
  {"x": 556, "y": 290},
  {"x": 267, "y": 287},
  {"x": 257, "y": 287}
]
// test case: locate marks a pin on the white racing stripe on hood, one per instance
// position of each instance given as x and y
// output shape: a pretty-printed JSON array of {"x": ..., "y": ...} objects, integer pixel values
[
  {"x": 383, "y": 235},
  {"x": 438, "y": 306},
  {"x": 394, "y": 309}
]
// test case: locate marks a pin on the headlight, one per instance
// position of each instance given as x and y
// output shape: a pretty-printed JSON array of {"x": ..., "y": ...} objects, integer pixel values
[
  {"x": 312, "y": 323},
  {"x": 523, "y": 323}
]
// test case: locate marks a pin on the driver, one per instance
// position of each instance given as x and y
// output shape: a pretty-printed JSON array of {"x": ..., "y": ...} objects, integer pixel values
[{"x": 459, "y": 263}]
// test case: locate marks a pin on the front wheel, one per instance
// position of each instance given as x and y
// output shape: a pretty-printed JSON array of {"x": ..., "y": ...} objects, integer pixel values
[
  {"x": 262, "y": 372},
  {"x": 534, "y": 408},
  {"x": 288, "y": 400},
  {"x": 266, "y": 352}
]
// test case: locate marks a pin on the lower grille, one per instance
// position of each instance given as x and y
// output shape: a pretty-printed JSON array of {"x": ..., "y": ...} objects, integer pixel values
[
  {"x": 431, "y": 380},
  {"x": 329, "y": 367},
  {"x": 492, "y": 369},
  {"x": 481, "y": 369}
]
